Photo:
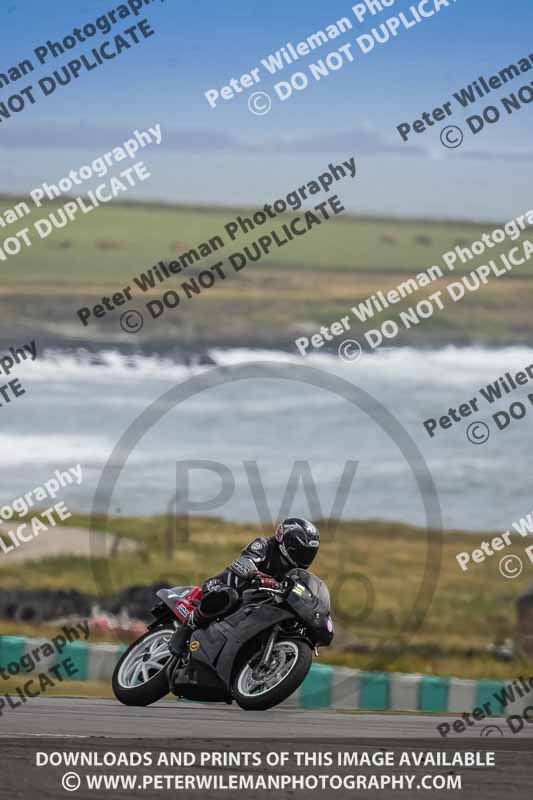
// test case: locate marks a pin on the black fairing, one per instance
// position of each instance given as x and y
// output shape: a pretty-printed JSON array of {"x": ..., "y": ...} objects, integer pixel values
[
  {"x": 309, "y": 600},
  {"x": 213, "y": 650}
]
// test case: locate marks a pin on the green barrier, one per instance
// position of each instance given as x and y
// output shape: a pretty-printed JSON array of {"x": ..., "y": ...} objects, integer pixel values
[
  {"x": 12, "y": 649},
  {"x": 485, "y": 694},
  {"x": 78, "y": 652},
  {"x": 433, "y": 694},
  {"x": 373, "y": 688},
  {"x": 315, "y": 691},
  {"x": 374, "y": 691},
  {"x": 102, "y": 661}
]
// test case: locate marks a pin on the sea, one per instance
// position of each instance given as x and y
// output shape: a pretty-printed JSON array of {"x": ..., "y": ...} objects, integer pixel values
[{"x": 260, "y": 434}]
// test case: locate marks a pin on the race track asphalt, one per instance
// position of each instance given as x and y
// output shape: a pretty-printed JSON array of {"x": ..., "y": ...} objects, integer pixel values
[
  {"x": 108, "y": 718},
  {"x": 47, "y": 728}
]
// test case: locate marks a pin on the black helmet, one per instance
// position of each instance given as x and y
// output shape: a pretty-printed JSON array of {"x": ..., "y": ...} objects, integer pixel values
[{"x": 298, "y": 541}]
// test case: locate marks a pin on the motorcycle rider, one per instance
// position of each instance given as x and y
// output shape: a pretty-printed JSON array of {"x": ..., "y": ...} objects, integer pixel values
[{"x": 265, "y": 561}]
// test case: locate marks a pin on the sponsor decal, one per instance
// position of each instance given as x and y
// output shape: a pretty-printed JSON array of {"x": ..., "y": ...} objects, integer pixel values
[{"x": 182, "y": 611}]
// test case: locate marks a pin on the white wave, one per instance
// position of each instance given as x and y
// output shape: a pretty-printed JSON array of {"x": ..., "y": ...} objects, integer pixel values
[
  {"x": 448, "y": 366},
  {"x": 58, "y": 449},
  {"x": 244, "y": 355}
]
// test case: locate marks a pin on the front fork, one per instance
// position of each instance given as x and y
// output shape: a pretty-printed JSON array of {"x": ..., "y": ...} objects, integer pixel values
[
  {"x": 270, "y": 646},
  {"x": 267, "y": 653}
]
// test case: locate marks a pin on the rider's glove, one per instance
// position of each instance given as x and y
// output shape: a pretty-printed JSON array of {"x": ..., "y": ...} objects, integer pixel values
[{"x": 266, "y": 582}]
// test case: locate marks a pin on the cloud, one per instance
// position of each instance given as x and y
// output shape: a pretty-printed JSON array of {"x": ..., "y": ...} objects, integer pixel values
[
  {"x": 364, "y": 141},
  {"x": 55, "y": 135},
  {"x": 501, "y": 155}
]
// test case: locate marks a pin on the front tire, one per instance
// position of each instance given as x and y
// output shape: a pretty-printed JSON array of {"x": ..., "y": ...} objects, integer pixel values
[
  {"x": 289, "y": 664},
  {"x": 140, "y": 676}
]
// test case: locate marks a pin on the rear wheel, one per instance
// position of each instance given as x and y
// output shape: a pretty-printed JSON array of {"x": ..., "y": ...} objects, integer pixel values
[
  {"x": 257, "y": 688},
  {"x": 140, "y": 675}
]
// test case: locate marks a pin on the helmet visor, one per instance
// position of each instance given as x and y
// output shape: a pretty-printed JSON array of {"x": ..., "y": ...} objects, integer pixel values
[{"x": 303, "y": 554}]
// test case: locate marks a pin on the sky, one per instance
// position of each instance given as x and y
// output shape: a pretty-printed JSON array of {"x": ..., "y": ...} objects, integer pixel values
[{"x": 228, "y": 155}]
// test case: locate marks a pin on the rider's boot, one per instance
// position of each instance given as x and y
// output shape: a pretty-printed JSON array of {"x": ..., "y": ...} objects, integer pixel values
[
  {"x": 180, "y": 636},
  {"x": 178, "y": 639}
]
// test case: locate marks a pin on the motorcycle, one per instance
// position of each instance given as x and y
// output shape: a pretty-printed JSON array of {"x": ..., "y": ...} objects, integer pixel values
[{"x": 257, "y": 655}]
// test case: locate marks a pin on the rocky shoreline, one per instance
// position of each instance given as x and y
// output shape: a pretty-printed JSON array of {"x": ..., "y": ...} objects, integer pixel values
[
  {"x": 196, "y": 350},
  {"x": 54, "y": 329}
]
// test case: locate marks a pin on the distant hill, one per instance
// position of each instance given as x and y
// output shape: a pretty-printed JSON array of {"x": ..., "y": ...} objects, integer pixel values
[{"x": 311, "y": 280}]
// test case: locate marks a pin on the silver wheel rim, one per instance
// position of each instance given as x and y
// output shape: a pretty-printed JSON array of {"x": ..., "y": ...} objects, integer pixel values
[
  {"x": 282, "y": 662},
  {"x": 145, "y": 660}
]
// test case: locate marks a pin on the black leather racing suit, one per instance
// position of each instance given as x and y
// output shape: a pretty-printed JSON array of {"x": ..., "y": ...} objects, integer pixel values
[{"x": 261, "y": 555}]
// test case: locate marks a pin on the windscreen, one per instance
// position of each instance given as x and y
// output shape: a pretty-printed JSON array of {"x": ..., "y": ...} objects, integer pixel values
[{"x": 317, "y": 587}]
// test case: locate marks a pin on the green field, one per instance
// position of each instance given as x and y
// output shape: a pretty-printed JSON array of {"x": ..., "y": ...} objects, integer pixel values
[
  {"x": 113, "y": 243},
  {"x": 374, "y": 571},
  {"x": 312, "y": 280}
]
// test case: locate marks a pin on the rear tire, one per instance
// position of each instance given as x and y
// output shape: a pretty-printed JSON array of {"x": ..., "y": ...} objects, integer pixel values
[
  {"x": 140, "y": 676},
  {"x": 290, "y": 663}
]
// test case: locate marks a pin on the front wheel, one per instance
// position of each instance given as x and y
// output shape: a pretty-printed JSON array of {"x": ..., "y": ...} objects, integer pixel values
[
  {"x": 140, "y": 676},
  {"x": 258, "y": 688}
]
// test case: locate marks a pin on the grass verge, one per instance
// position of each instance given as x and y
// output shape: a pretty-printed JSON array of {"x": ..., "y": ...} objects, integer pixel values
[{"x": 375, "y": 572}]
